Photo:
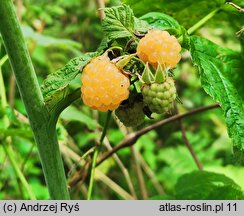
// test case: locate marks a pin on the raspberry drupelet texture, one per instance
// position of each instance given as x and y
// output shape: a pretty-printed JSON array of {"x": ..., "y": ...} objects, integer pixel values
[
  {"x": 159, "y": 46},
  {"x": 104, "y": 87},
  {"x": 159, "y": 97}
]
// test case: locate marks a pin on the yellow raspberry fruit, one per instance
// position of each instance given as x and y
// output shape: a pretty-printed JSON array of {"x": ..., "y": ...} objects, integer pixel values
[
  {"x": 104, "y": 87},
  {"x": 159, "y": 46}
]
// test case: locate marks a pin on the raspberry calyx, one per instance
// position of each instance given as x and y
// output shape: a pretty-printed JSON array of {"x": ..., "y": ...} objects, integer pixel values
[{"x": 158, "y": 90}]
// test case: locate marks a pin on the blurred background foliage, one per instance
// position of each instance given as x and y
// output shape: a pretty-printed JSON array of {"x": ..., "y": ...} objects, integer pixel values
[{"x": 57, "y": 31}]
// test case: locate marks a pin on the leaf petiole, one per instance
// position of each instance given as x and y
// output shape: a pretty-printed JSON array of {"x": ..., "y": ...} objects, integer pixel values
[{"x": 201, "y": 22}]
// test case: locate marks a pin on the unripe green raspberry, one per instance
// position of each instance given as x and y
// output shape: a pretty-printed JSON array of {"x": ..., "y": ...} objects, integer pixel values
[
  {"x": 131, "y": 115},
  {"x": 159, "y": 97}
]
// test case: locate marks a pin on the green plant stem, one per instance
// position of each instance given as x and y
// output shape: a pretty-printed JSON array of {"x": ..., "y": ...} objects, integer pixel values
[
  {"x": 202, "y": 21},
  {"x": 91, "y": 183},
  {"x": 2, "y": 61},
  {"x": 96, "y": 152},
  {"x": 6, "y": 146},
  {"x": 39, "y": 117}
]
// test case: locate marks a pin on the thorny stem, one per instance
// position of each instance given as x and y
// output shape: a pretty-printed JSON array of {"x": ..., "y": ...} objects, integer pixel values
[
  {"x": 133, "y": 137},
  {"x": 96, "y": 152},
  {"x": 39, "y": 117}
]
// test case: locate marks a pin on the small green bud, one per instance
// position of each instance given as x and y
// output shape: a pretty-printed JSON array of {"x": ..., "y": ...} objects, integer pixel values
[
  {"x": 147, "y": 75},
  {"x": 160, "y": 75},
  {"x": 124, "y": 61}
]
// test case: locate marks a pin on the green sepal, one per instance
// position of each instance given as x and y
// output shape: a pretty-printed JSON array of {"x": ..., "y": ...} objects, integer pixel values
[
  {"x": 147, "y": 75},
  {"x": 160, "y": 75},
  {"x": 124, "y": 61}
]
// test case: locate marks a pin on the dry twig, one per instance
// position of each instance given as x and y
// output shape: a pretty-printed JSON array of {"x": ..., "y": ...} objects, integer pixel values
[
  {"x": 123, "y": 169},
  {"x": 142, "y": 185},
  {"x": 133, "y": 137},
  {"x": 236, "y": 7},
  {"x": 189, "y": 146},
  {"x": 151, "y": 175},
  {"x": 101, "y": 6}
]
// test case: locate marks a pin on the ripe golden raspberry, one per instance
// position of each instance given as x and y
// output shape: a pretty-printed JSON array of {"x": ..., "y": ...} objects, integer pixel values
[
  {"x": 159, "y": 46},
  {"x": 104, "y": 87}
]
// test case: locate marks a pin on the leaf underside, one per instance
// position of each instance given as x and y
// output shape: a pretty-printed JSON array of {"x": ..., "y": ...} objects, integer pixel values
[{"x": 221, "y": 72}]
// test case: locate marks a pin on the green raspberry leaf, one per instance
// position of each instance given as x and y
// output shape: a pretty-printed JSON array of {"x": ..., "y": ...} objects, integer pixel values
[
  {"x": 71, "y": 113},
  {"x": 207, "y": 186},
  {"x": 45, "y": 41},
  {"x": 141, "y": 26},
  {"x": 163, "y": 21},
  {"x": 186, "y": 12},
  {"x": 121, "y": 23},
  {"x": 55, "y": 87},
  {"x": 221, "y": 72}
]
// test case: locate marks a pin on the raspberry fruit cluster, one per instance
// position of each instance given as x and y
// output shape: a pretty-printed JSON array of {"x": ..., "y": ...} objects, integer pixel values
[
  {"x": 106, "y": 82},
  {"x": 162, "y": 51}
]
